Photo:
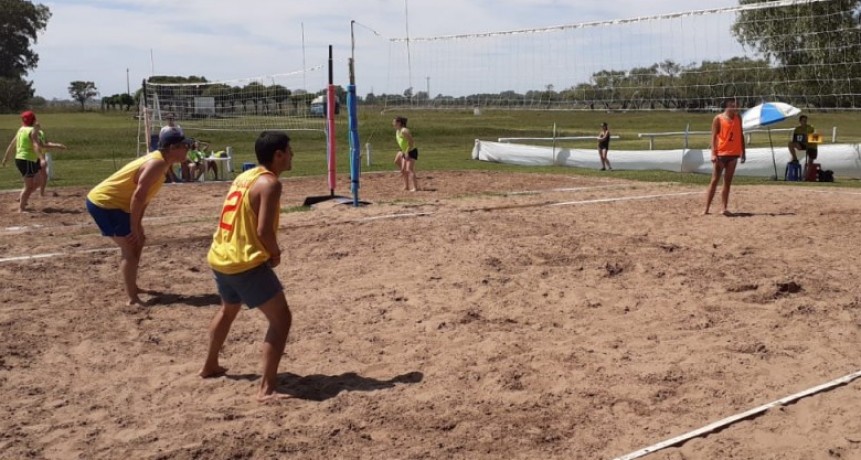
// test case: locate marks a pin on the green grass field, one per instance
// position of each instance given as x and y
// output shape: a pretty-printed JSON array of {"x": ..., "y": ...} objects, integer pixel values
[{"x": 100, "y": 142}]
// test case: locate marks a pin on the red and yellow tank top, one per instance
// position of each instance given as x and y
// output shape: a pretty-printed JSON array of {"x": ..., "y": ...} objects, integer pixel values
[
  {"x": 235, "y": 246},
  {"x": 730, "y": 142}
]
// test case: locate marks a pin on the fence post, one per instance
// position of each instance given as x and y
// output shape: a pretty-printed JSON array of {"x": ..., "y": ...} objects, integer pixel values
[
  {"x": 834, "y": 135},
  {"x": 554, "y": 144},
  {"x": 687, "y": 130},
  {"x": 368, "y": 153}
]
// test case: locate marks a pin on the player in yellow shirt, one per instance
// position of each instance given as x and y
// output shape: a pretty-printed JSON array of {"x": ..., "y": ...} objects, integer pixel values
[
  {"x": 119, "y": 202},
  {"x": 243, "y": 253},
  {"x": 28, "y": 157}
]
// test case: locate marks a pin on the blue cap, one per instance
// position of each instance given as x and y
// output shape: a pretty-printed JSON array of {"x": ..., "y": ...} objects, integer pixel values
[{"x": 173, "y": 136}]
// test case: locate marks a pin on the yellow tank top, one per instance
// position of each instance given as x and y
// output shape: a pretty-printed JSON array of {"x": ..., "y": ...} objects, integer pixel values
[
  {"x": 24, "y": 148},
  {"x": 235, "y": 245},
  {"x": 403, "y": 142},
  {"x": 116, "y": 191}
]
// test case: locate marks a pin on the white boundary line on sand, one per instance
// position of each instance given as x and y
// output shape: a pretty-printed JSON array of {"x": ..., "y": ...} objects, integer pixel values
[
  {"x": 54, "y": 254},
  {"x": 394, "y": 216},
  {"x": 570, "y": 189},
  {"x": 739, "y": 417},
  {"x": 89, "y": 223},
  {"x": 388, "y": 216},
  {"x": 624, "y": 198}
]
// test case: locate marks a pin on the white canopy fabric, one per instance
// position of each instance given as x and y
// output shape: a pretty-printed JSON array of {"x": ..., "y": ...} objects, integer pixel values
[
  {"x": 767, "y": 114},
  {"x": 843, "y": 159}
]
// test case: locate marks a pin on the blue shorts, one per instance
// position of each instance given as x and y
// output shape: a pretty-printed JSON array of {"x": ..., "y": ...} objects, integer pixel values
[
  {"x": 252, "y": 287},
  {"x": 112, "y": 222}
]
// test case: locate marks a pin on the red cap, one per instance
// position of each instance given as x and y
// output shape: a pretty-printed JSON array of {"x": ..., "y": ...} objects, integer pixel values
[{"x": 28, "y": 118}]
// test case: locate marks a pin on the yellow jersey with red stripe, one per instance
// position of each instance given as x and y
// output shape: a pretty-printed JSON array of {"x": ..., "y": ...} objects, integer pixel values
[
  {"x": 730, "y": 141},
  {"x": 116, "y": 191},
  {"x": 235, "y": 245}
]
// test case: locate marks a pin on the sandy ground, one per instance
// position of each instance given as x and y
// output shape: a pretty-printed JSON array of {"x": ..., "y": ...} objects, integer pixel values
[{"x": 463, "y": 321}]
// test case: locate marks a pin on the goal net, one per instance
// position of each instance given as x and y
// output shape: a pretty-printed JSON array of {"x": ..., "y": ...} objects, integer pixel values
[
  {"x": 804, "y": 52},
  {"x": 281, "y": 101}
]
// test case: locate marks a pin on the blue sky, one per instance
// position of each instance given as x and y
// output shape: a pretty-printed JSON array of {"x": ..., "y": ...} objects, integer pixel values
[{"x": 97, "y": 40}]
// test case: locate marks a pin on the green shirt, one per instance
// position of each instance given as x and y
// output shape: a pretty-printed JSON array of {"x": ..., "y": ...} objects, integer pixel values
[
  {"x": 194, "y": 156},
  {"x": 25, "y": 149}
]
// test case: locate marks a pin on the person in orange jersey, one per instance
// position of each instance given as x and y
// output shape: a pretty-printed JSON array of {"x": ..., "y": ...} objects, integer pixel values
[{"x": 727, "y": 149}]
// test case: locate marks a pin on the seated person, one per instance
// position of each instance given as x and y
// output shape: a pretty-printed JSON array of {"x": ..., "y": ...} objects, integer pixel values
[
  {"x": 195, "y": 164},
  {"x": 800, "y": 140}
]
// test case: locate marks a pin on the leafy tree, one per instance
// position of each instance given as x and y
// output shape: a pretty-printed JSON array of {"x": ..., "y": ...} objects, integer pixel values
[
  {"x": 20, "y": 24},
  {"x": 38, "y": 102},
  {"x": 83, "y": 91},
  {"x": 818, "y": 53},
  {"x": 14, "y": 93}
]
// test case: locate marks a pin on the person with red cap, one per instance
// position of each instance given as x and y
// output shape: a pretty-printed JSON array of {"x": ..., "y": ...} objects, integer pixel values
[{"x": 28, "y": 156}]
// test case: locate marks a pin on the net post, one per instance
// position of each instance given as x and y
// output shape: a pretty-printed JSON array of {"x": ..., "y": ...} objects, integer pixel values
[
  {"x": 330, "y": 123},
  {"x": 355, "y": 145}
]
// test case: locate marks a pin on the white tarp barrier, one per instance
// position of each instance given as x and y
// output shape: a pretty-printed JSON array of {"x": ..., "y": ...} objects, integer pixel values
[{"x": 843, "y": 159}]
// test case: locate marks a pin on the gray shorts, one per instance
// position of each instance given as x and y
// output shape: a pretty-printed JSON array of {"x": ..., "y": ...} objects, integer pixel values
[{"x": 252, "y": 287}]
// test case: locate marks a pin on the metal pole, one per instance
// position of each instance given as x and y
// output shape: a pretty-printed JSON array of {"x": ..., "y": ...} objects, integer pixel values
[
  {"x": 773, "y": 161},
  {"x": 304, "y": 67},
  {"x": 834, "y": 135},
  {"x": 554, "y": 143},
  {"x": 409, "y": 56},
  {"x": 687, "y": 131},
  {"x": 368, "y": 153},
  {"x": 330, "y": 115}
]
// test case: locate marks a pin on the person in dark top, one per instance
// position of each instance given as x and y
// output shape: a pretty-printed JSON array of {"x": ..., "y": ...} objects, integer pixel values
[{"x": 604, "y": 146}]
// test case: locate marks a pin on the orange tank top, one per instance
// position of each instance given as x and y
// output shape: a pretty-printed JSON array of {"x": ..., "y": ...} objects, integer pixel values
[{"x": 729, "y": 139}]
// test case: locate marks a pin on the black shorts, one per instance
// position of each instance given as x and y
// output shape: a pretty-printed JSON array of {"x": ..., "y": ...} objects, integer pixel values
[
  {"x": 28, "y": 168},
  {"x": 727, "y": 159},
  {"x": 414, "y": 154},
  {"x": 604, "y": 146},
  {"x": 812, "y": 153}
]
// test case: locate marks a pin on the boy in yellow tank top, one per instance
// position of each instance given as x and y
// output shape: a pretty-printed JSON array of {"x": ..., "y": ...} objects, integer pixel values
[
  {"x": 727, "y": 148},
  {"x": 118, "y": 203},
  {"x": 243, "y": 253}
]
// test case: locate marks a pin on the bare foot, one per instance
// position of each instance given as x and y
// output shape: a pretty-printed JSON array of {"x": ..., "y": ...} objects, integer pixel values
[
  {"x": 275, "y": 396},
  {"x": 726, "y": 213},
  {"x": 135, "y": 301},
  {"x": 414, "y": 190},
  {"x": 706, "y": 212},
  {"x": 208, "y": 373}
]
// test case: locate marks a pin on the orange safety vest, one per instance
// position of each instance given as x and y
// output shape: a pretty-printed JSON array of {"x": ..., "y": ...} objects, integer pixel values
[{"x": 729, "y": 139}]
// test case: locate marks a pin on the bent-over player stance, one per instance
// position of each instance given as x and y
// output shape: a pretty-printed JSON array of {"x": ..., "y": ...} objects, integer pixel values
[{"x": 243, "y": 253}]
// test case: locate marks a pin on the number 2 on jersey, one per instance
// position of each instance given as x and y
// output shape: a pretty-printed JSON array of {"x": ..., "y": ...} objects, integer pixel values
[{"x": 231, "y": 204}]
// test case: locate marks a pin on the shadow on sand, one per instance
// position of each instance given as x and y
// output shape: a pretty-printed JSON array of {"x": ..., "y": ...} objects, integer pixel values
[
  {"x": 319, "y": 387},
  {"x": 757, "y": 214},
  {"x": 166, "y": 298}
]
